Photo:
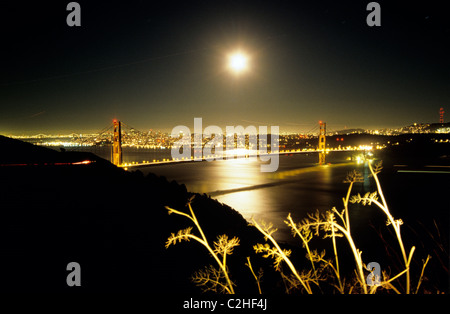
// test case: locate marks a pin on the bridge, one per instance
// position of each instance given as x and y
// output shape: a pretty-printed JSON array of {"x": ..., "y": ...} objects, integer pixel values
[
  {"x": 117, "y": 151},
  {"x": 248, "y": 154}
]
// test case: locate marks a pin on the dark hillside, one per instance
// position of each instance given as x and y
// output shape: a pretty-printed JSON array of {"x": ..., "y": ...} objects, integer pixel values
[{"x": 112, "y": 222}]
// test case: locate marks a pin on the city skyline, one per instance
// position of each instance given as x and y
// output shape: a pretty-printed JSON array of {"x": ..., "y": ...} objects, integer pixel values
[{"x": 159, "y": 66}]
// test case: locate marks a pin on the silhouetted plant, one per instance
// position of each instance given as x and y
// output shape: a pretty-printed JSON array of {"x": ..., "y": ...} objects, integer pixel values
[{"x": 210, "y": 278}]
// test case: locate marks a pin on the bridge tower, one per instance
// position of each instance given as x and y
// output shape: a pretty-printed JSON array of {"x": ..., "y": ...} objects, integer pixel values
[
  {"x": 117, "y": 144},
  {"x": 322, "y": 140},
  {"x": 441, "y": 115}
]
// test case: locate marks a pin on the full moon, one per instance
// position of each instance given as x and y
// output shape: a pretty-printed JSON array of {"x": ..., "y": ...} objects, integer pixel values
[{"x": 238, "y": 62}]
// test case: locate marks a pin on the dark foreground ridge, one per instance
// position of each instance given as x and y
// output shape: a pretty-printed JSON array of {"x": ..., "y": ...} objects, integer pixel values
[{"x": 58, "y": 210}]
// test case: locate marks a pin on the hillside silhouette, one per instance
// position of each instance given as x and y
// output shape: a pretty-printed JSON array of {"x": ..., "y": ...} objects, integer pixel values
[{"x": 110, "y": 221}]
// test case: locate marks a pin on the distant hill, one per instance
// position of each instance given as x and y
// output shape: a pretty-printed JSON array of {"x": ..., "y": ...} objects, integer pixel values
[
  {"x": 413, "y": 128},
  {"x": 17, "y": 152},
  {"x": 433, "y": 127},
  {"x": 347, "y": 131}
]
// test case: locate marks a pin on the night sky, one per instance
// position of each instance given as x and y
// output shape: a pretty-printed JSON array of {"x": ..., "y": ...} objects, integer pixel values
[{"x": 156, "y": 65}]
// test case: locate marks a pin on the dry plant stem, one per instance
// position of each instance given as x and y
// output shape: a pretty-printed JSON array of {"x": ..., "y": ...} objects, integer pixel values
[
  {"x": 285, "y": 258},
  {"x": 336, "y": 270},
  {"x": 293, "y": 226},
  {"x": 388, "y": 284},
  {"x": 347, "y": 226},
  {"x": 421, "y": 275},
  {"x": 396, "y": 226},
  {"x": 347, "y": 219},
  {"x": 356, "y": 254},
  {"x": 254, "y": 275},
  {"x": 345, "y": 229},
  {"x": 204, "y": 242},
  {"x": 348, "y": 236}
]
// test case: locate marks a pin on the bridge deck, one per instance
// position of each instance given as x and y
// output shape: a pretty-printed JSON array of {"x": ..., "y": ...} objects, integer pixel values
[{"x": 229, "y": 156}]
